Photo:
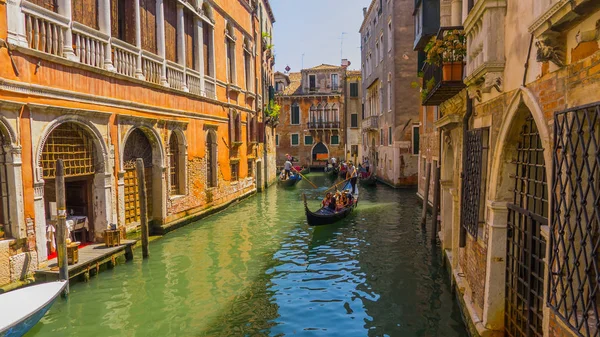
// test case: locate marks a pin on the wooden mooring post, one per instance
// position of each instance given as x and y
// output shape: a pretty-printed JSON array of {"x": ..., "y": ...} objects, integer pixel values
[
  {"x": 436, "y": 202},
  {"x": 139, "y": 167},
  {"x": 61, "y": 226},
  {"x": 426, "y": 194}
]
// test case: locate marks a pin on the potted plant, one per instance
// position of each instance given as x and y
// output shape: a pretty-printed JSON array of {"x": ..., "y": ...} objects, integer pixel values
[
  {"x": 272, "y": 111},
  {"x": 449, "y": 53}
]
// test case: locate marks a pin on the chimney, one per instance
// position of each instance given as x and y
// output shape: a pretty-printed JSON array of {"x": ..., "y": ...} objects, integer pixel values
[{"x": 364, "y": 11}]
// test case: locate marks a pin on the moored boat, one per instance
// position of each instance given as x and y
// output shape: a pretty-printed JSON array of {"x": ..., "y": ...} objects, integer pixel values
[
  {"x": 21, "y": 309},
  {"x": 326, "y": 216},
  {"x": 291, "y": 181},
  {"x": 367, "y": 180}
]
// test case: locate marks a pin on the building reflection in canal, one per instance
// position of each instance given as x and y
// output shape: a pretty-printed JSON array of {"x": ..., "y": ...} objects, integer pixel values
[{"x": 258, "y": 269}]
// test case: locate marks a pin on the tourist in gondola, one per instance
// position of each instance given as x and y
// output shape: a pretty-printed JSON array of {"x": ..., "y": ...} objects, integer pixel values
[
  {"x": 327, "y": 199},
  {"x": 352, "y": 174},
  {"x": 332, "y": 203}
]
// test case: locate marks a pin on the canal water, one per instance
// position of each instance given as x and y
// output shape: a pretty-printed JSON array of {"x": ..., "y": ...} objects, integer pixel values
[{"x": 257, "y": 269}]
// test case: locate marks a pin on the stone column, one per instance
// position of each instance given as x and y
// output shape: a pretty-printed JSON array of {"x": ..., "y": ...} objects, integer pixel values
[
  {"x": 40, "y": 220},
  {"x": 199, "y": 63},
  {"x": 181, "y": 55},
  {"x": 455, "y": 226},
  {"x": 14, "y": 180},
  {"x": 104, "y": 25},
  {"x": 138, "y": 41},
  {"x": 494, "y": 296},
  {"x": 64, "y": 9},
  {"x": 447, "y": 214},
  {"x": 15, "y": 23},
  {"x": 160, "y": 40},
  {"x": 456, "y": 17}
]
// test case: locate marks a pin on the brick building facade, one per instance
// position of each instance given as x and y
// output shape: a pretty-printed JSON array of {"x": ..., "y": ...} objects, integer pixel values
[
  {"x": 517, "y": 125},
  {"x": 180, "y": 84},
  {"x": 317, "y": 111},
  {"x": 391, "y": 105}
]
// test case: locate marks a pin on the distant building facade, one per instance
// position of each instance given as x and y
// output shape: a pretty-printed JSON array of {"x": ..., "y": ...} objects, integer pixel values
[
  {"x": 316, "y": 115},
  {"x": 391, "y": 105}
]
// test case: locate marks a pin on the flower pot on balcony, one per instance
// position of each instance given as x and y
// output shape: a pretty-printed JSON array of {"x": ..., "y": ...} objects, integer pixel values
[{"x": 452, "y": 71}]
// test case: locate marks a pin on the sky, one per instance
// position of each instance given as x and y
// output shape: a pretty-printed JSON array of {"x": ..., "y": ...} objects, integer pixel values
[{"x": 314, "y": 28}]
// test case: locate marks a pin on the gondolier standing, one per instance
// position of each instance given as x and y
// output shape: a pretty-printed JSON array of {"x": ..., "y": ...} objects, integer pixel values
[
  {"x": 352, "y": 174},
  {"x": 287, "y": 167}
]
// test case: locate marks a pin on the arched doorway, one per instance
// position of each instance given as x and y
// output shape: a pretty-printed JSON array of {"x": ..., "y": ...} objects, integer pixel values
[
  {"x": 84, "y": 167},
  {"x": 11, "y": 188},
  {"x": 526, "y": 247},
  {"x": 137, "y": 145},
  {"x": 320, "y": 153}
]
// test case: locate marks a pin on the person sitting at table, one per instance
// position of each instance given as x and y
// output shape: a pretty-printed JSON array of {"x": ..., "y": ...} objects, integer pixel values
[{"x": 327, "y": 199}]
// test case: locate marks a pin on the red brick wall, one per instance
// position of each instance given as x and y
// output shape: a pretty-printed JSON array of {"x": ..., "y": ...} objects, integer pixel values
[{"x": 472, "y": 262}]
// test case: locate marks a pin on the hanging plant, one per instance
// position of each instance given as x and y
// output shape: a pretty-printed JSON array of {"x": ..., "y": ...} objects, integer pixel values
[
  {"x": 272, "y": 111},
  {"x": 452, "y": 47}
]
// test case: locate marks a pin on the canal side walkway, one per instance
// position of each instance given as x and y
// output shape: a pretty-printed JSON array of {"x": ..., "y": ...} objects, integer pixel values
[{"x": 91, "y": 258}]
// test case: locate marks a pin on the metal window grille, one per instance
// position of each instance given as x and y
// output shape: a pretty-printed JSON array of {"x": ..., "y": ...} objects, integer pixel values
[
  {"x": 234, "y": 172},
  {"x": 474, "y": 176},
  {"x": 211, "y": 160},
  {"x": 72, "y": 144},
  {"x": 574, "y": 234},
  {"x": 174, "y": 164},
  {"x": 526, "y": 248}
]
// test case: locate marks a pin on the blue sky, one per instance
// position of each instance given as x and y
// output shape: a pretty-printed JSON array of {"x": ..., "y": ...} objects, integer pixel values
[{"x": 314, "y": 28}]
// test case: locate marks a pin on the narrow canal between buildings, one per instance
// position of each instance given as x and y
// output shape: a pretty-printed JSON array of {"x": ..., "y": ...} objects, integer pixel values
[{"x": 258, "y": 269}]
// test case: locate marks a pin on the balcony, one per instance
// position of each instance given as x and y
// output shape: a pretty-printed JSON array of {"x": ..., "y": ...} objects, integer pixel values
[
  {"x": 484, "y": 28},
  {"x": 427, "y": 21},
  {"x": 443, "y": 73},
  {"x": 323, "y": 125},
  {"x": 370, "y": 123}
]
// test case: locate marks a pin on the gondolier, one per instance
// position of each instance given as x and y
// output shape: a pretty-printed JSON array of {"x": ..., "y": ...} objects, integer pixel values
[
  {"x": 287, "y": 167},
  {"x": 352, "y": 174}
]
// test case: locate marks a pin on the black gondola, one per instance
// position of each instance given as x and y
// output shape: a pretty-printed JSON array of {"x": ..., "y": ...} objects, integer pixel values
[
  {"x": 325, "y": 216},
  {"x": 332, "y": 170},
  {"x": 370, "y": 180}
]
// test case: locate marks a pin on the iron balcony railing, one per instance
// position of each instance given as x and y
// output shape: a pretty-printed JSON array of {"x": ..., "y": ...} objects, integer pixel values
[{"x": 323, "y": 125}]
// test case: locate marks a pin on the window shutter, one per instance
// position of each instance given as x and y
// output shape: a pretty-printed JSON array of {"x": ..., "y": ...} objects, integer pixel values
[
  {"x": 231, "y": 128},
  {"x": 206, "y": 47},
  {"x": 261, "y": 132},
  {"x": 170, "y": 8},
  {"x": 238, "y": 135}
]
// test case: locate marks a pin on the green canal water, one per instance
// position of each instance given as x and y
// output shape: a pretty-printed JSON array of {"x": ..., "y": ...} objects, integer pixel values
[{"x": 257, "y": 269}]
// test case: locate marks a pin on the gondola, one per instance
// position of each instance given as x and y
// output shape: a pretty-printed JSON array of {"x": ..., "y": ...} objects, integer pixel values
[
  {"x": 369, "y": 180},
  {"x": 21, "y": 309},
  {"x": 291, "y": 181},
  {"x": 332, "y": 170},
  {"x": 325, "y": 216}
]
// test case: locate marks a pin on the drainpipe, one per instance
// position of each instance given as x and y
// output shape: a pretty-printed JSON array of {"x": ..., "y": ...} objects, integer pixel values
[{"x": 463, "y": 232}]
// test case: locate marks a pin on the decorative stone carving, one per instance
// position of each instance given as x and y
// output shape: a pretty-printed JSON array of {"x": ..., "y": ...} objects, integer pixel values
[
  {"x": 474, "y": 93},
  {"x": 492, "y": 80},
  {"x": 549, "y": 50}
]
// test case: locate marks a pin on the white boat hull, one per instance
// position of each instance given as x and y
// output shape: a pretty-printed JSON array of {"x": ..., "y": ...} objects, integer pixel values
[{"x": 21, "y": 309}]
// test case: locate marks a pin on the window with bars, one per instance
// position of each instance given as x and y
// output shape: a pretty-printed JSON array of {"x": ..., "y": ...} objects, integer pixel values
[
  {"x": 211, "y": 159},
  {"x": 235, "y": 167},
  {"x": 174, "y": 165},
  {"x": 474, "y": 181},
  {"x": 250, "y": 168},
  {"x": 574, "y": 289},
  {"x": 74, "y": 146}
]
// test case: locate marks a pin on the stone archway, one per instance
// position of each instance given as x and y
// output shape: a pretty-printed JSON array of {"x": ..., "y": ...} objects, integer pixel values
[
  {"x": 319, "y": 151},
  {"x": 11, "y": 184},
  {"x": 87, "y": 176},
  {"x": 143, "y": 142},
  {"x": 524, "y": 128}
]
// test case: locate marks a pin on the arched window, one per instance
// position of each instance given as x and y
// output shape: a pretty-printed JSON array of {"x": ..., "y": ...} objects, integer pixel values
[
  {"x": 313, "y": 113},
  {"x": 174, "y": 165},
  {"x": 211, "y": 159}
]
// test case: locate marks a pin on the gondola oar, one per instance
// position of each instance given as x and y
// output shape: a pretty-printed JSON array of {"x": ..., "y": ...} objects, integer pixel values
[
  {"x": 341, "y": 182},
  {"x": 303, "y": 177}
]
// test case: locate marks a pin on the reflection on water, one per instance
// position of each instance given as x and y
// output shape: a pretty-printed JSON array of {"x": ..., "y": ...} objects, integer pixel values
[{"x": 258, "y": 269}]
